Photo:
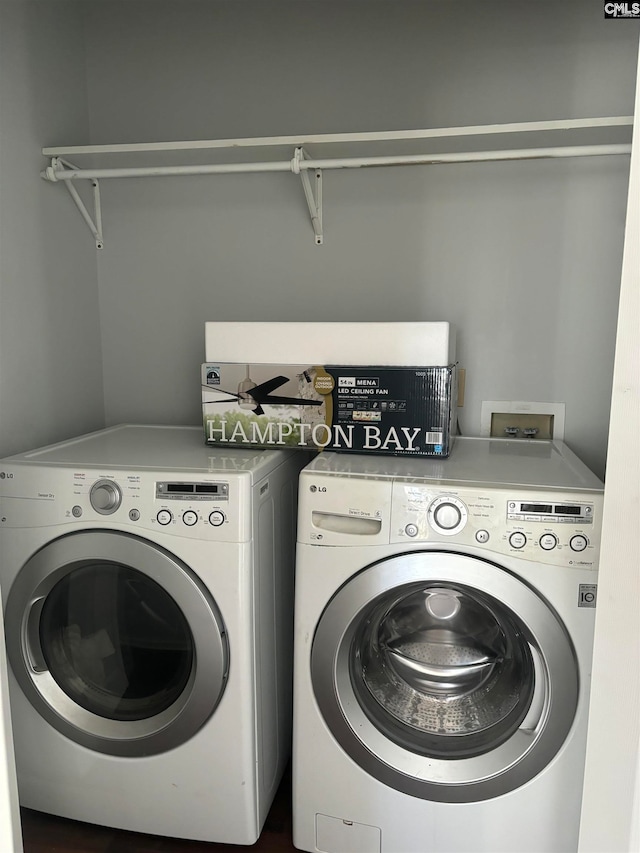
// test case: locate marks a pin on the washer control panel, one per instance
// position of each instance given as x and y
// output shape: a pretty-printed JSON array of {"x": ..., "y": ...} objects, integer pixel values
[{"x": 543, "y": 526}]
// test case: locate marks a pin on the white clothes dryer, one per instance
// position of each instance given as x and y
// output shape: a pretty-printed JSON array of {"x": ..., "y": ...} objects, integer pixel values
[
  {"x": 148, "y": 585},
  {"x": 443, "y": 640}
]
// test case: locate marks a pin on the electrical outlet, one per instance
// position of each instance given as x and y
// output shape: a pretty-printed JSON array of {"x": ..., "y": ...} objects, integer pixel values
[
  {"x": 509, "y": 419},
  {"x": 508, "y": 425}
]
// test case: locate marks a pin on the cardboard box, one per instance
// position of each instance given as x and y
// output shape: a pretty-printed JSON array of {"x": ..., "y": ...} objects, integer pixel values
[
  {"x": 393, "y": 344},
  {"x": 389, "y": 410}
]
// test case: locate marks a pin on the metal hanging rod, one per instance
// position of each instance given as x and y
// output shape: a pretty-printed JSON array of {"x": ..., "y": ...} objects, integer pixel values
[
  {"x": 58, "y": 172},
  {"x": 301, "y": 163}
]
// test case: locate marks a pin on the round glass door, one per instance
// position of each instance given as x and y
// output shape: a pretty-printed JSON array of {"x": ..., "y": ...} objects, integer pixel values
[
  {"x": 444, "y": 676},
  {"x": 116, "y": 643}
]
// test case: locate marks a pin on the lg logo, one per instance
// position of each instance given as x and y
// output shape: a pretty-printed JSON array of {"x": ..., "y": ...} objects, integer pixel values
[{"x": 317, "y": 488}]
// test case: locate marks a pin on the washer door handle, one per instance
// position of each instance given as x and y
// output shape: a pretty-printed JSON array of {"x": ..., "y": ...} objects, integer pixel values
[{"x": 33, "y": 650}]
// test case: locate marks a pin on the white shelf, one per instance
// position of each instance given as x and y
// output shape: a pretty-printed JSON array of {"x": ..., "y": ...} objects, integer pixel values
[{"x": 592, "y": 137}]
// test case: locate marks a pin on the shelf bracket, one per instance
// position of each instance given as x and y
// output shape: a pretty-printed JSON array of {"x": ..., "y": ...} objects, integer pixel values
[
  {"x": 94, "y": 224},
  {"x": 313, "y": 197}
]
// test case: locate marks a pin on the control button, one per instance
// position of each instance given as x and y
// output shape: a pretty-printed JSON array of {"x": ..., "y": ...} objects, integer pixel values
[
  {"x": 134, "y": 514},
  {"x": 76, "y": 512},
  {"x": 517, "y": 540},
  {"x": 189, "y": 517},
  {"x": 105, "y": 496},
  {"x": 164, "y": 517},
  {"x": 411, "y": 530},
  {"x": 482, "y": 536},
  {"x": 578, "y": 543},
  {"x": 548, "y": 541},
  {"x": 216, "y": 518}
]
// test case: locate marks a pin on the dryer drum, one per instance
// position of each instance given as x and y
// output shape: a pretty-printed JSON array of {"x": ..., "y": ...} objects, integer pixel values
[
  {"x": 116, "y": 642},
  {"x": 442, "y": 670}
]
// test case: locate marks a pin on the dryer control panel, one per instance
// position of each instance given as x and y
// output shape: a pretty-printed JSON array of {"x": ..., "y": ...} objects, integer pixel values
[{"x": 204, "y": 507}]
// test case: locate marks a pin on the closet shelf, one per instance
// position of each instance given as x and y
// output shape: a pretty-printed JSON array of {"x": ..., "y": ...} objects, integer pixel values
[{"x": 552, "y": 139}]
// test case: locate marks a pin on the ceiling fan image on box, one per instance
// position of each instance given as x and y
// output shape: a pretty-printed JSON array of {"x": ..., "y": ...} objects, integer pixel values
[{"x": 254, "y": 397}]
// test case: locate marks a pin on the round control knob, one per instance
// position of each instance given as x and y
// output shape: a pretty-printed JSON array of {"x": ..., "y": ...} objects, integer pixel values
[
  {"x": 578, "y": 542},
  {"x": 482, "y": 536},
  {"x": 517, "y": 540},
  {"x": 216, "y": 518},
  {"x": 189, "y": 517},
  {"x": 548, "y": 541},
  {"x": 105, "y": 496},
  {"x": 447, "y": 515},
  {"x": 164, "y": 517},
  {"x": 411, "y": 530}
]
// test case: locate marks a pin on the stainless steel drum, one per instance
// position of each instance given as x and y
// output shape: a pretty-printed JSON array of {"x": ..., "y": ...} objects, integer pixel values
[{"x": 446, "y": 670}]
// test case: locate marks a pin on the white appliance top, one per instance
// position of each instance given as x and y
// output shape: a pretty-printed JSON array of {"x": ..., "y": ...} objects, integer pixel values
[
  {"x": 490, "y": 461},
  {"x": 150, "y": 447}
]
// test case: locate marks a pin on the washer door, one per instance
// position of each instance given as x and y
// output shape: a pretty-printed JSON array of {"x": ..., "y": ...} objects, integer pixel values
[
  {"x": 444, "y": 676},
  {"x": 116, "y": 643}
]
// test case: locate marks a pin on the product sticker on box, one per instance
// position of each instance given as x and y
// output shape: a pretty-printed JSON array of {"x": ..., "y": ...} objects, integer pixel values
[{"x": 386, "y": 410}]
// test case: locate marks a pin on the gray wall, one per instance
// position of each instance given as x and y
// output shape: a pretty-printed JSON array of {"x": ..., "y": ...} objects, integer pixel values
[
  {"x": 50, "y": 352},
  {"x": 523, "y": 258}
]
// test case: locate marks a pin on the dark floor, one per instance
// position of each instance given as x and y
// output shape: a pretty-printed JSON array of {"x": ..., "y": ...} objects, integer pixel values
[{"x": 48, "y": 834}]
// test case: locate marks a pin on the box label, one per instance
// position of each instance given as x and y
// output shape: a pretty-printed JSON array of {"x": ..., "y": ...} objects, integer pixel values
[{"x": 386, "y": 410}]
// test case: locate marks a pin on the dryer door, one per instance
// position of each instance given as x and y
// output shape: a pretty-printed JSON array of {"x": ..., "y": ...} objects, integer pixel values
[
  {"x": 116, "y": 643},
  {"x": 444, "y": 676}
]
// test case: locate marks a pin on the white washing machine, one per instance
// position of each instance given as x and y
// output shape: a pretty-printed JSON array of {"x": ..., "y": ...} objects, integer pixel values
[
  {"x": 443, "y": 639},
  {"x": 148, "y": 586}
]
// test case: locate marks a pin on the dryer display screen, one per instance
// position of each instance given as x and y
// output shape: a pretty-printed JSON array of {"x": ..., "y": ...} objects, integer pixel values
[{"x": 193, "y": 491}]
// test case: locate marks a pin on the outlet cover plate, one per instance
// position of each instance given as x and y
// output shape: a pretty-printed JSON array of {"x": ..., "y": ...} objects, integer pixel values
[{"x": 522, "y": 407}]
